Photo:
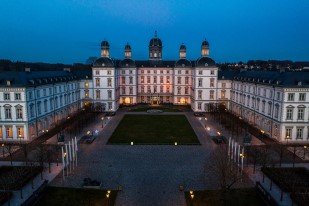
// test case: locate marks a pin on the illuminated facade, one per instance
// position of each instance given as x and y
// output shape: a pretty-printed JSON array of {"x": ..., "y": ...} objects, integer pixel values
[{"x": 156, "y": 81}]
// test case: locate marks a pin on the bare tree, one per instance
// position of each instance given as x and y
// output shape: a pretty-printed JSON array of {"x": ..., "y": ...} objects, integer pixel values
[
  {"x": 9, "y": 147},
  {"x": 226, "y": 171},
  {"x": 39, "y": 157}
]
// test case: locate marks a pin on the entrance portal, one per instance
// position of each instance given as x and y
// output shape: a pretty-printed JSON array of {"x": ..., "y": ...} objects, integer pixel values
[{"x": 155, "y": 100}]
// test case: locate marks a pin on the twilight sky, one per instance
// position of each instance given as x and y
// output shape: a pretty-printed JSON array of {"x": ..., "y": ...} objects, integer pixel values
[{"x": 69, "y": 31}]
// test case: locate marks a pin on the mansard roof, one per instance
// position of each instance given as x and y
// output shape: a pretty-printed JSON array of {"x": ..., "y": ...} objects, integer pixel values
[
  {"x": 37, "y": 78},
  {"x": 275, "y": 78}
]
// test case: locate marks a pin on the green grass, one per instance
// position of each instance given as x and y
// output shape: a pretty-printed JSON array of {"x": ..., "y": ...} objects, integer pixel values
[
  {"x": 61, "y": 196},
  {"x": 234, "y": 197},
  {"x": 154, "y": 129},
  {"x": 164, "y": 109}
]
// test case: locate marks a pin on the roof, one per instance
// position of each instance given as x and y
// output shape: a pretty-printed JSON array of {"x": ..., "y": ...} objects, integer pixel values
[
  {"x": 35, "y": 78},
  {"x": 183, "y": 63},
  {"x": 155, "y": 42},
  {"x": 276, "y": 78},
  {"x": 205, "y": 62},
  {"x": 103, "y": 62},
  {"x": 127, "y": 63}
]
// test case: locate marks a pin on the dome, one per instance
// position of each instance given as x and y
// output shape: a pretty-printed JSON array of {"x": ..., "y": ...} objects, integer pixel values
[
  {"x": 104, "y": 44},
  {"x": 183, "y": 63},
  {"x": 183, "y": 47},
  {"x": 155, "y": 42},
  {"x": 103, "y": 62},
  {"x": 127, "y": 47},
  {"x": 205, "y": 62},
  {"x": 205, "y": 43},
  {"x": 127, "y": 63}
]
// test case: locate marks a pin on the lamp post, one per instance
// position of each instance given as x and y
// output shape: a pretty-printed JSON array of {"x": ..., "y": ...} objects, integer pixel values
[
  {"x": 107, "y": 196},
  {"x": 2, "y": 151},
  {"x": 191, "y": 196},
  {"x": 102, "y": 118},
  {"x": 305, "y": 147}
]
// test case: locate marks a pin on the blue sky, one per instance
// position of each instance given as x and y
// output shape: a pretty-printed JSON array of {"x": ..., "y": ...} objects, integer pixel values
[{"x": 69, "y": 31}]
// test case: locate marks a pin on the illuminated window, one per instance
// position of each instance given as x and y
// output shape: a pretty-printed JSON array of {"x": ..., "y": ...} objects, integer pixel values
[
  {"x": 142, "y": 79},
  {"x": 212, "y": 82},
  {"x": 20, "y": 132},
  {"x": 86, "y": 84},
  {"x": 1, "y": 134},
  {"x": 223, "y": 94},
  {"x": 97, "y": 82},
  {"x": 167, "y": 79},
  {"x": 86, "y": 93},
  {"x": 288, "y": 133}
]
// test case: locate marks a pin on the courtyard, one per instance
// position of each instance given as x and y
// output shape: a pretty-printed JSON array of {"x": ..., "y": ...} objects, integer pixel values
[{"x": 154, "y": 129}]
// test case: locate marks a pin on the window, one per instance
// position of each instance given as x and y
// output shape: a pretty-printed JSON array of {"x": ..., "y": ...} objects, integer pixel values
[
  {"x": 270, "y": 94},
  {"x": 186, "y": 80},
  {"x": 110, "y": 105},
  {"x": 223, "y": 85},
  {"x": 130, "y": 72},
  {"x": 131, "y": 90},
  {"x": 168, "y": 89},
  {"x": 98, "y": 94},
  {"x": 6, "y": 96},
  {"x": 97, "y": 72},
  {"x": 44, "y": 92},
  {"x": 278, "y": 95},
  {"x": 187, "y": 72},
  {"x": 259, "y": 91},
  {"x": 148, "y": 79},
  {"x": 17, "y": 96},
  {"x": 142, "y": 71},
  {"x": 299, "y": 133},
  {"x": 289, "y": 114},
  {"x": 276, "y": 111},
  {"x": 109, "y": 72},
  {"x": 211, "y": 94},
  {"x": 269, "y": 108},
  {"x": 142, "y": 79},
  {"x": 109, "y": 82},
  {"x": 161, "y": 71},
  {"x": 161, "y": 89},
  {"x": 124, "y": 90},
  {"x": 300, "y": 114},
  {"x": 179, "y": 80},
  {"x": 148, "y": 89},
  {"x": 1, "y": 134},
  {"x": 123, "y": 80},
  {"x": 130, "y": 80},
  {"x": 167, "y": 71},
  {"x": 154, "y": 89},
  {"x": 223, "y": 94},
  {"x": 148, "y": 71},
  {"x": 9, "y": 132},
  {"x": 39, "y": 107},
  {"x": 258, "y": 105},
  {"x": 8, "y": 114},
  {"x": 97, "y": 82},
  {"x": 199, "y": 106},
  {"x": 45, "y": 105},
  {"x": 51, "y": 104},
  {"x": 200, "y": 82},
  {"x": 123, "y": 72},
  {"x": 20, "y": 132},
  {"x": 86, "y": 84},
  {"x": 302, "y": 96},
  {"x": 290, "y": 96},
  {"x": 154, "y": 80},
  {"x": 186, "y": 90},
  {"x": 50, "y": 91},
  {"x": 263, "y": 105},
  {"x": 56, "y": 102},
  {"x": 288, "y": 133},
  {"x": 86, "y": 93},
  {"x": 109, "y": 94},
  {"x": 167, "y": 79},
  {"x": 264, "y": 93},
  {"x": 200, "y": 72},
  {"x": 199, "y": 95},
  {"x": 212, "y": 72},
  {"x": 30, "y": 95},
  {"x": 179, "y": 72},
  {"x": 212, "y": 82},
  {"x": 161, "y": 79}
]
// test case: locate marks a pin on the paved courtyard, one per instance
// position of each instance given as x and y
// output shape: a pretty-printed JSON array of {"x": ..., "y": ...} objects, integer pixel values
[{"x": 149, "y": 174}]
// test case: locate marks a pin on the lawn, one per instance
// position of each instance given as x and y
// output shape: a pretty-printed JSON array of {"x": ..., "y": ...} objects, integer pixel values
[
  {"x": 234, "y": 197},
  {"x": 62, "y": 196},
  {"x": 15, "y": 177},
  {"x": 154, "y": 129},
  {"x": 164, "y": 109}
]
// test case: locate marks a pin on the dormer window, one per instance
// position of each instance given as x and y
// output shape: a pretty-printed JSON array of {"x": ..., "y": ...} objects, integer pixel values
[
  {"x": 206, "y": 65},
  {"x": 8, "y": 83},
  {"x": 299, "y": 83},
  {"x": 103, "y": 64}
]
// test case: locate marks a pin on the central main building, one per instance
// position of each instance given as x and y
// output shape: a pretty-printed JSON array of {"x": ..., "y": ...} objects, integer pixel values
[{"x": 155, "y": 81}]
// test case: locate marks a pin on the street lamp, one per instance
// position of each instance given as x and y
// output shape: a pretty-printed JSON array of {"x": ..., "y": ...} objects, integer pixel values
[
  {"x": 305, "y": 147},
  {"x": 102, "y": 118},
  {"x": 107, "y": 196},
  {"x": 2, "y": 151},
  {"x": 191, "y": 195}
]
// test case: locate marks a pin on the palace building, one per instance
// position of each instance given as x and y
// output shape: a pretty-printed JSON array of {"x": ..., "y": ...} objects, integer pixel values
[{"x": 33, "y": 102}]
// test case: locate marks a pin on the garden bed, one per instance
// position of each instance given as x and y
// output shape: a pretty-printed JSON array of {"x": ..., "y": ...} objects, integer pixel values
[
  {"x": 233, "y": 197},
  {"x": 15, "y": 177}
]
